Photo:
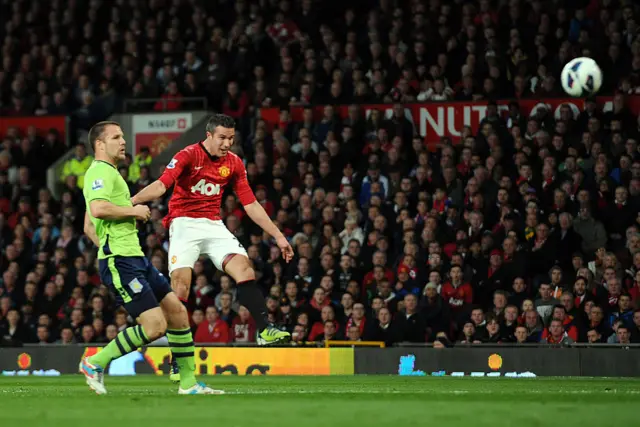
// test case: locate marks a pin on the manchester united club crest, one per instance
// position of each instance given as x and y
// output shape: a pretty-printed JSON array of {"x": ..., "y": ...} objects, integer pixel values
[
  {"x": 174, "y": 259},
  {"x": 224, "y": 171},
  {"x": 159, "y": 144}
]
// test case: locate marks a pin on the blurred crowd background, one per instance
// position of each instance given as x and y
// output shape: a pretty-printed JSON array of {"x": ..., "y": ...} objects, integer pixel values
[{"x": 527, "y": 231}]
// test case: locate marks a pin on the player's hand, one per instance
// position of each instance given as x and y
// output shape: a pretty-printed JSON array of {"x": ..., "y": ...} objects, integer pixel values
[
  {"x": 285, "y": 248},
  {"x": 142, "y": 212}
]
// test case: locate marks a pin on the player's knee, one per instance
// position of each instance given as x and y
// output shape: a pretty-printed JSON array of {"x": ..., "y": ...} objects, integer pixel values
[
  {"x": 155, "y": 327},
  {"x": 179, "y": 310},
  {"x": 178, "y": 317},
  {"x": 180, "y": 284},
  {"x": 181, "y": 290}
]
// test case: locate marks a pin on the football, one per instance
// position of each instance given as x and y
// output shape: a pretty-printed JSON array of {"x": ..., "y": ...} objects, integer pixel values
[{"x": 581, "y": 77}]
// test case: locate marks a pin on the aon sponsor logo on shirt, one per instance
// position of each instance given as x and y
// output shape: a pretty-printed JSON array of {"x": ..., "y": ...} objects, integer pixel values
[{"x": 206, "y": 188}]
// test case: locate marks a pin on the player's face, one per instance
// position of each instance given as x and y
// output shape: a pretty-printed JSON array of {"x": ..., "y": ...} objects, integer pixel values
[
  {"x": 221, "y": 140},
  {"x": 113, "y": 141}
]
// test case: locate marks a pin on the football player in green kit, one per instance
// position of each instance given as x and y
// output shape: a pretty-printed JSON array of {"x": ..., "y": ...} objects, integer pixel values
[{"x": 110, "y": 222}]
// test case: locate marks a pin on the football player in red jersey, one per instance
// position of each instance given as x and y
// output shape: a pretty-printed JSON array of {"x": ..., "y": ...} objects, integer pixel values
[{"x": 199, "y": 174}]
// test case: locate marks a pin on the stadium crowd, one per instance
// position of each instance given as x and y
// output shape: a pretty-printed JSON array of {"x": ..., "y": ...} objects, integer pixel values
[{"x": 526, "y": 232}]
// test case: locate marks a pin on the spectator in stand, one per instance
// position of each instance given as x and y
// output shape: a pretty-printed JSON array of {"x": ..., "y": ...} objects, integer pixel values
[
  {"x": 143, "y": 159},
  {"x": 546, "y": 303},
  {"x": 243, "y": 328},
  {"x": 213, "y": 329},
  {"x": 171, "y": 100},
  {"x": 559, "y": 313},
  {"x": 77, "y": 166},
  {"x": 556, "y": 334}
]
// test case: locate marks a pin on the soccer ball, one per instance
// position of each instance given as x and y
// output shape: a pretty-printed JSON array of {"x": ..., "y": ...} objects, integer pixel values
[{"x": 581, "y": 77}]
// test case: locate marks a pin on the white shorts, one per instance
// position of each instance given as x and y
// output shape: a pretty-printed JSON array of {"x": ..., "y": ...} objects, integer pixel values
[{"x": 191, "y": 237}]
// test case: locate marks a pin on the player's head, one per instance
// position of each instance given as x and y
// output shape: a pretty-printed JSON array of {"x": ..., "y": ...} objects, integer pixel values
[
  {"x": 221, "y": 132},
  {"x": 107, "y": 141}
]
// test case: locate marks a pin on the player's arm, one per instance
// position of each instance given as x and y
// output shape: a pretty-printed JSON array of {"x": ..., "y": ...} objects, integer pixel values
[
  {"x": 258, "y": 215},
  {"x": 97, "y": 191},
  {"x": 151, "y": 192},
  {"x": 104, "y": 209},
  {"x": 253, "y": 208},
  {"x": 158, "y": 187},
  {"x": 256, "y": 212},
  {"x": 90, "y": 230}
]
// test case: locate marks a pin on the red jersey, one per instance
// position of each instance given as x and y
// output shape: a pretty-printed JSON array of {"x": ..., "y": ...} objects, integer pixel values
[
  {"x": 200, "y": 180},
  {"x": 241, "y": 331},
  {"x": 457, "y": 297},
  {"x": 569, "y": 328},
  {"x": 218, "y": 332}
]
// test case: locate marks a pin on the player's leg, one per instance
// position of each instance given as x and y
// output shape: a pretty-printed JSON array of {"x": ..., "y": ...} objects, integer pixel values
[
  {"x": 182, "y": 346},
  {"x": 184, "y": 249},
  {"x": 185, "y": 240},
  {"x": 181, "y": 285},
  {"x": 228, "y": 255},
  {"x": 132, "y": 291},
  {"x": 178, "y": 332}
]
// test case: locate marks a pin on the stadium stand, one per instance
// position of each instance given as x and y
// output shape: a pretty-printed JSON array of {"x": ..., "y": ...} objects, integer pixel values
[{"x": 520, "y": 225}]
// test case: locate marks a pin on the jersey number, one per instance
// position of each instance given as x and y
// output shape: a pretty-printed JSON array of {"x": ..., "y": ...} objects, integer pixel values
[{"x": 206, "y": 188}]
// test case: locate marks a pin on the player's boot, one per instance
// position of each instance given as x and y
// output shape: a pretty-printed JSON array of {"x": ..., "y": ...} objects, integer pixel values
[
  {"x": 271, "y": 335},
  {"x": 174, "y": 376},
  {"x": 200, "y": 388},
  {"x": 94, "y": 375}
]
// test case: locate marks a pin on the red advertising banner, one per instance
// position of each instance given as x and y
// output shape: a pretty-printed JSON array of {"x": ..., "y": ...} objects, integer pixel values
[
  {"x": 447, "y": 119},
  {"x": 42, "y": 123}
]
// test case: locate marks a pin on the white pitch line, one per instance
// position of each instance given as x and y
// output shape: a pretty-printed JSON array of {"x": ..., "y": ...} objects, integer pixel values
[
  {"x": 379, "y": 392},
  {"x": 432, "y": 392}
]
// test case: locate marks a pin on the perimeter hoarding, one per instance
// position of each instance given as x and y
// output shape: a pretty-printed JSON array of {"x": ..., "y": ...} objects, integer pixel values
[
  {"x": 403, "y": 361},
  {"x": 157, "y": 131},
  {"x": 499, "y": 361},
  {"x": 434, "y": 120},
  {"x": 209, "y": 361}
]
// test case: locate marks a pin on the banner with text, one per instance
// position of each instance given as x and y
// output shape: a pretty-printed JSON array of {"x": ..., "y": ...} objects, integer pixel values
[
  {"x": 447, "y": 119},
  {"x": 157, "y": 131},
  {"x": 239, "y": 361},
  {"x": 42, "y": 123},
  {"x": 57, "y": 360}
]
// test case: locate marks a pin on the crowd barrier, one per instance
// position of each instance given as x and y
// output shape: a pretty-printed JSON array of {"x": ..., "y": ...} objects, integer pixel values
[{"x": 615, "y": 361}]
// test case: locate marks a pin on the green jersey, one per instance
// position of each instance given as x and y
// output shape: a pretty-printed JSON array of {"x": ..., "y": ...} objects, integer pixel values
[{"x": 117, "y": 237}]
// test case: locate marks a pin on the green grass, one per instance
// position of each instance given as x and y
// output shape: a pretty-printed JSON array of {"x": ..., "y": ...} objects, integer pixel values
[{"x": 357, "y": 401}]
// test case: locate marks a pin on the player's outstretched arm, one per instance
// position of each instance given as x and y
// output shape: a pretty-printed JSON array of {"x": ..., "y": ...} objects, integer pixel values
[
  {"x": 90, "y": 230},
  {"x": 103, "y": 209},
  {"x": 258, "y": 215},
  {"x": 151, "y": 192}
]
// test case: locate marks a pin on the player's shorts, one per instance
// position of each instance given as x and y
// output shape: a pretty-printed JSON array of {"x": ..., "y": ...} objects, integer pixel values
[
  {"x": 137, "y": 285},
  {"x": 191, "y": 237}
]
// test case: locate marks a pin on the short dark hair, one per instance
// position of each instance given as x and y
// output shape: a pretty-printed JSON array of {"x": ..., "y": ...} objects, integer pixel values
[
  {"x": 96, "y": 132},
  {"x": 220, "y": 120}
]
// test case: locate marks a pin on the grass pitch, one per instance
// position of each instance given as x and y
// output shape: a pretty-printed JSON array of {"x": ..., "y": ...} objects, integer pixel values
[{"x": 355, "y": 401}]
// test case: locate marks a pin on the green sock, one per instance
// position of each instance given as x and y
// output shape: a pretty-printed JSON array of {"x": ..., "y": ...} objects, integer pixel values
[
  {"x": 125, "y": 342},
  {"x": 182, "y": 348}
]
